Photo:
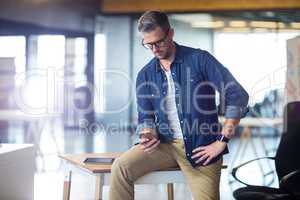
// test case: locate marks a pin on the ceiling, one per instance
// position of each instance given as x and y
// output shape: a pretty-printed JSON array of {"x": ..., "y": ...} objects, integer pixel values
[
  {"x": 271, "y": 19},
  {"x": 276, "y": 16}
]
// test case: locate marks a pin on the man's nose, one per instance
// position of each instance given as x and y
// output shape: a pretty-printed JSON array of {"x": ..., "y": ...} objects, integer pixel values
[{"x": 154, "y": 48}]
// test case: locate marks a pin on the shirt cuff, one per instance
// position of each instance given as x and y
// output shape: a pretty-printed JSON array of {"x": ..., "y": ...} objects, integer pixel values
[{"x": 235, "y": 112}]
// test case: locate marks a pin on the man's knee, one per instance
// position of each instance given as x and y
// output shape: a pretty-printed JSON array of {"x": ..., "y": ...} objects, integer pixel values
[
  {"x": 120, "y": 169},
  {"x": 117, "y": 166}
]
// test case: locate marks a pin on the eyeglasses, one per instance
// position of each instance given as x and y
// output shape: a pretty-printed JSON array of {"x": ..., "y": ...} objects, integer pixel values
[{"x": 157, "y": 44}]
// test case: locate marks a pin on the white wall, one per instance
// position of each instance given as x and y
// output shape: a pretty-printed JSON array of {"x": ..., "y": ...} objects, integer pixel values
[
  {"x": 117, "y": 85},
  {"x": 193, "y": 37}
]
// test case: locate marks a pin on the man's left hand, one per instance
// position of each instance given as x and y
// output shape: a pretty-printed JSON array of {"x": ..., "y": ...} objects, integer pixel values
[{"x": 208, "y": 152}]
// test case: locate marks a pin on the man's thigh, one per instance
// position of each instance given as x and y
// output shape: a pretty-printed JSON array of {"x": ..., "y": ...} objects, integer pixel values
[
  {"x": 202, "y": 181},
  {"x": 139, "y": 163}
]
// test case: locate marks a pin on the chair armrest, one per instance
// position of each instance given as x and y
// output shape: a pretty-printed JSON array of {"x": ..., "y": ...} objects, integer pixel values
[
  {"x": 291, "y": 181},
  {"x": 235, "y": 169}
]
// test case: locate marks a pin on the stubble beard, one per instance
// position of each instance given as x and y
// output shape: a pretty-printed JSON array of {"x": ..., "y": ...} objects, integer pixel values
[{"x": 166, "y": 55}]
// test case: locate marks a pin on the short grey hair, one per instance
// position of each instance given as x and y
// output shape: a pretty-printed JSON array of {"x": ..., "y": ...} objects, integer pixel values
[{"x": 150, "y": 20}]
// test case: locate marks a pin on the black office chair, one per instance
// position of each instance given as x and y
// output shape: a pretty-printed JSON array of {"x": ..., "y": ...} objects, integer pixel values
[{"x": 287, "y": 164}]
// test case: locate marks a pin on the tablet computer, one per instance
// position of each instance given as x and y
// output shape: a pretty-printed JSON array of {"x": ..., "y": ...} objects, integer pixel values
[{"x": 98, "y": 160}]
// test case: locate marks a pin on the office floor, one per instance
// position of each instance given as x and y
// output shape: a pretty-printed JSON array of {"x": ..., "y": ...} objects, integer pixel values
[{"x": 54, "y": 140}]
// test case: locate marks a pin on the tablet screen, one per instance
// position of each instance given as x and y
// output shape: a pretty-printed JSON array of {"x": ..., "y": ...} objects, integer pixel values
[{"x": 99, "y": 160}]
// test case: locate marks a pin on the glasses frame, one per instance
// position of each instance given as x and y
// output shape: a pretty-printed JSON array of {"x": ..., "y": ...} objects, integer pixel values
[{"x": 157, "y": 44}]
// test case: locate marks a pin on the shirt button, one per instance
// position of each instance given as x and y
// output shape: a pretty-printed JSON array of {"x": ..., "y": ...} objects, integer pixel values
[
  {"x": 181, "y": 121},
  {"x": 184, "y": 138},
  {"x": 188, "y": 154}
]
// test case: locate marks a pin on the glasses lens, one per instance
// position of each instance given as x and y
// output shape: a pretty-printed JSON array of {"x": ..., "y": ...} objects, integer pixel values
[
  {"x": 160, "y": 43},
  {"x": 147, "y": 46},
  {"x": 157, "y": 44}
]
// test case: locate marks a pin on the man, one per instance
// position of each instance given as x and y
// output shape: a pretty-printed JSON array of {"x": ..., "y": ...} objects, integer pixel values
[{"x": 177, "y": 115}]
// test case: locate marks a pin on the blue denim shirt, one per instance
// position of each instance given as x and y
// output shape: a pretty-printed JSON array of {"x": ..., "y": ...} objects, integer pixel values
[{"x": 197, "y": 75}]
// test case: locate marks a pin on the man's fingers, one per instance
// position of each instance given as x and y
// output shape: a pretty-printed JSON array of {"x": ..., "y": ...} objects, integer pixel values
[
  {"x": 199, "y": 149},
  {"x": 143, "y": 143},
  {"x": 144, "y": 140},
  {"x": 145, "y": 131},
  {"x": 153, "y": 147},
  {"x": 150, "y": 143},
  {"x": 147, "y": 143},
  {"x": 202, "y": 158},
  {"x": 199, "y": 154},
  {"x": 208, "y": 160}
]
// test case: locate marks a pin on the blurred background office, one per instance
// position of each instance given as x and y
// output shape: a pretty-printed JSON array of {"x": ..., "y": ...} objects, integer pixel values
[{"x": 68, "y": 69}]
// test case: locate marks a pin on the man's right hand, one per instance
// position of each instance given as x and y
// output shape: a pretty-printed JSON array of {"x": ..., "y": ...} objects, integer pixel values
[
  {"x": 149, "y": 140},
  {"x": 149, "y": 145}
]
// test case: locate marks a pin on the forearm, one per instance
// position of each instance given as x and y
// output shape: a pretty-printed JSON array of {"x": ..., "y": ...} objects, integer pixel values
[
  {"x": 233, "y": 115},
  {"x": 229, "y": 126}
]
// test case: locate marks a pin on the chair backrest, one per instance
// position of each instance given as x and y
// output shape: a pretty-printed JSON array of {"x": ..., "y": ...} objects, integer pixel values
[{"x": 287, "y": 155}]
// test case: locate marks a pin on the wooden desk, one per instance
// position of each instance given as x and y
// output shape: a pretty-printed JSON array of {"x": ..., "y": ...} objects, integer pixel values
[{"x": 102, "y": 174}]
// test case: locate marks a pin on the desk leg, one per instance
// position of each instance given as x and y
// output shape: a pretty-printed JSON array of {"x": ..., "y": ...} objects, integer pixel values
[
  {"x": 67, "y": 186},
  {"x": 99, "y": 187},
  {"x": 170, "y": 191}
]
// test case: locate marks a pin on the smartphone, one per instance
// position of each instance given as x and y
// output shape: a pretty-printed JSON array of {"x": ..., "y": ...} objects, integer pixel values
[
  {"x": 148, "y": 133},
  {"x": 99, "y": 160}
]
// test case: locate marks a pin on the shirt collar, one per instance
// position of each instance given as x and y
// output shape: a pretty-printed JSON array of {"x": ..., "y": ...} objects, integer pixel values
[{"x": 178, "y": 57}]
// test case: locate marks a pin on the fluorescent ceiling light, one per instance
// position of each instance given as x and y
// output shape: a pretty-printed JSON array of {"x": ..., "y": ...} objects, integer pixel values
[
  {"x": 263, "y": 24},
  {"x": 295, "y": 25},
  {"x": 236, "y": 30},
  {"x": 238, "y": 24},
  {"x": 207, "y": 24},
  {"x": 190, "y": 18}
]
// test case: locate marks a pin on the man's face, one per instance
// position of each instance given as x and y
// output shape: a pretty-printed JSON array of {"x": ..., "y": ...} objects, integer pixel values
[{"x": 159, "y": 42}]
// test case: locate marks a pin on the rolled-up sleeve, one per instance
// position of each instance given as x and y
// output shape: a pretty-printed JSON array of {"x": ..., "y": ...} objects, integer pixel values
[
  {"x": 232, "y": 93},
  {"x": 235, "y": 112}
]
